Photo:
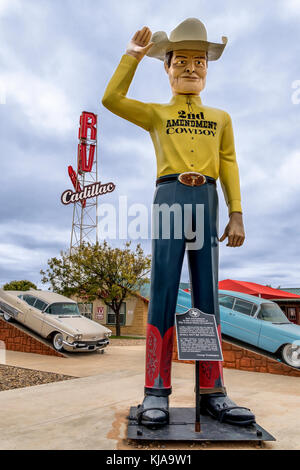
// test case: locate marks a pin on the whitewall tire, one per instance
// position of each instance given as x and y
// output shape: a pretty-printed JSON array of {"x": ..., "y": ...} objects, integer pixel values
[
  {"x": 291, "y": 355},
  {"x": 57, "y": 342}
]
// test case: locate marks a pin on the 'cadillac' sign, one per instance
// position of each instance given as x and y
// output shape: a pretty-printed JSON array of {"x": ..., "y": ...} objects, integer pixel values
[
  {"x": 92, "y": 190},
  {"x": 87, "y": 151}
]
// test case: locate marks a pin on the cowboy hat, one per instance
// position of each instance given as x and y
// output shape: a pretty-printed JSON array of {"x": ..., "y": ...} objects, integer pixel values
[{"x": 190, "y": 34}]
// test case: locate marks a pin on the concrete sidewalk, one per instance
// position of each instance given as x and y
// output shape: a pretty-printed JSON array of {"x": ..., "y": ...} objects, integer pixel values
[
  {"x": 79, "y": 364},
  {"x": 90, "y": 412}
]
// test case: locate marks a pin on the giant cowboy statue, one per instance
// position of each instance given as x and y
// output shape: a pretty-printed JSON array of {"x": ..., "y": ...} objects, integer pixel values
[{"x": 194, "y": 145}]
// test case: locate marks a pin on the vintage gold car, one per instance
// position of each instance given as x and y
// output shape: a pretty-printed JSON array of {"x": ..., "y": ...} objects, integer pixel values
[{"x": 54, "y": 317}]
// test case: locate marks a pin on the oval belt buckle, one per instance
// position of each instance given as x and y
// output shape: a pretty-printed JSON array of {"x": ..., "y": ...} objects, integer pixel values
[{"x": 192, "y": 178}]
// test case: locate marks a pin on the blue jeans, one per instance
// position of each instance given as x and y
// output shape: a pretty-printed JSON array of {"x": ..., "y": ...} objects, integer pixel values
[{"x": 167, "y": 259}]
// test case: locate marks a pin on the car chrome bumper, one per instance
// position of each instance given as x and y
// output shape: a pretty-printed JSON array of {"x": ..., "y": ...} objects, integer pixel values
[
  {"x": 8, "y": 309},
  {"x": 86, "y": 345}
]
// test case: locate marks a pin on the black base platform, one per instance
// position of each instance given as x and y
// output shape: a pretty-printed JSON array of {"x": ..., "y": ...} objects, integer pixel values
[{"x": 182, "y": 428}]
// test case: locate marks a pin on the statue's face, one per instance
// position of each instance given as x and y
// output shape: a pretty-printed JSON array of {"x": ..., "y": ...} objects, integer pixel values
[{"x": 187, "y": 72}]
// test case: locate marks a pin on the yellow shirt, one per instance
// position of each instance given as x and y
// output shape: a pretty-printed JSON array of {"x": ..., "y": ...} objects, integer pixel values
[{"x": 187, "y": 135}]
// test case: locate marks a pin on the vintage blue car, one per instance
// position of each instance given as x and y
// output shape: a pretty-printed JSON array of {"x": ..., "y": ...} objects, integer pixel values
[{"x": 255, "y": 321}]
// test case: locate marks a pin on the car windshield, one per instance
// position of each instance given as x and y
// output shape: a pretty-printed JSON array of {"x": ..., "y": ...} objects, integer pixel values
[
  {"x": 63, "y": 308},
  {"x": 273, "y": 313}
]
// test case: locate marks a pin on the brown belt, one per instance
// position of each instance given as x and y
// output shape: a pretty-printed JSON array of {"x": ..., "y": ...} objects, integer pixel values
[{"x": 189, "y": 178}]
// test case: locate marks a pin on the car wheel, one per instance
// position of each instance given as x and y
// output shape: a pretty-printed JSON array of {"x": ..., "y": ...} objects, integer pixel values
[
  {"x": 7, "y": 317},
  {"x": 291, "y": 355},
  {"x": 57, "y": 341}
]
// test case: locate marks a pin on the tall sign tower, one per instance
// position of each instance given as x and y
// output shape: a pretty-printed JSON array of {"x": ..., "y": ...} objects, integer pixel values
[{"x": 84, "y": 223}]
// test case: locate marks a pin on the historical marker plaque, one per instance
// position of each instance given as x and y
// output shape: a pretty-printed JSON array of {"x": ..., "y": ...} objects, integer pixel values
[{"x": 197, "y": 336}]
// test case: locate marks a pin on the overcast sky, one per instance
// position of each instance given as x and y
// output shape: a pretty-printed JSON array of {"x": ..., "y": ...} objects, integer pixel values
[{"x": 56, "y": 57}]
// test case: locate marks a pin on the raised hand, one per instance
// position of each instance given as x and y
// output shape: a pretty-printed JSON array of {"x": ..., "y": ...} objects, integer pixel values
[{"x": 139, "y": 44}]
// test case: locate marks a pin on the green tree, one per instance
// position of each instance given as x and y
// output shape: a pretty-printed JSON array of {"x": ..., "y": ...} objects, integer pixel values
[
  {"x": 19, "y": 285},
  {"x": 98, "y": 271}
]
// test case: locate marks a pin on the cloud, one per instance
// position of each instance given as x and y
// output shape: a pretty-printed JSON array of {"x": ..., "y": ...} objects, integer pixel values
[
  {"x": 25, "y": 248},
  {"x": 9, "y": 6},
  {"x": 291, "y": 9}
]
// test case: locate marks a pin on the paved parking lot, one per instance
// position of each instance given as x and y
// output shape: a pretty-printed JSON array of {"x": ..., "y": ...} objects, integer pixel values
[{"x": 90, "y": 412}]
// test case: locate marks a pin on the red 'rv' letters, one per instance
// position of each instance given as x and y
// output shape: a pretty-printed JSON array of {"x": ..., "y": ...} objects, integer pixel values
[
  {"x": 85, "y": 164},
  {"x": 88, "y": 122}
]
